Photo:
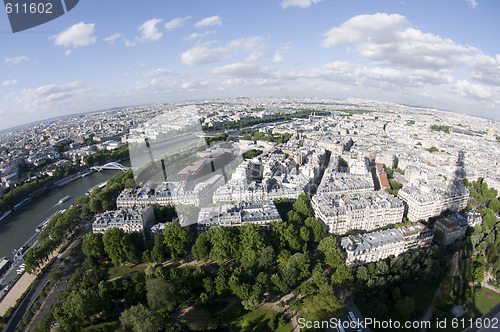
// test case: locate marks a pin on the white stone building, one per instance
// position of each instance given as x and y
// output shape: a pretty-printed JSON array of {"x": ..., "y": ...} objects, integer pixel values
[
  {"x": 128, "y": 219},
  {"x": 228, "y": 215},
  {"x": 366, "y": 211},
  {"x": 372, "y": 247}
]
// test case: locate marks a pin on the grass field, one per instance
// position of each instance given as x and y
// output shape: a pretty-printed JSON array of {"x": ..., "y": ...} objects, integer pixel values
[
  {"x": 239, "y": 320},
  {"x": 483, "y": 300},
  {"x": 118, "y": 271}
]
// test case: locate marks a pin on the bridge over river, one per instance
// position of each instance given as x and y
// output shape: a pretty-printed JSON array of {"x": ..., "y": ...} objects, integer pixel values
[{"x": 112, "y": 166}]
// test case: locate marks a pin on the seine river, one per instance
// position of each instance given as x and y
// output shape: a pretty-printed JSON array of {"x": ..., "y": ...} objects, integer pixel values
[{"x": 17, "y": 228}]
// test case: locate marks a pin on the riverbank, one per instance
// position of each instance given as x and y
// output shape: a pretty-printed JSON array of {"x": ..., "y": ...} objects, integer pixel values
[{"x": 21, "y": 224}]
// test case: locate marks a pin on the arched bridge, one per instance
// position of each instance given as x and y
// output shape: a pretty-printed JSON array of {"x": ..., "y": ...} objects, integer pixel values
[{"x": 112, "y": 165}]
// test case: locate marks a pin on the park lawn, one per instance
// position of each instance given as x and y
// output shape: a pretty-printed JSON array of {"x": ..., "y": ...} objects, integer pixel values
[
  {"x": 238, "y": 319},
  {"x": 482, "y": 301},
  {"x": 121, "y": 270}
]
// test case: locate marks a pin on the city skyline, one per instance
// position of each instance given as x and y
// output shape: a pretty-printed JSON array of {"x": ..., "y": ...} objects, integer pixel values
[{"x": 410, "y": 53}]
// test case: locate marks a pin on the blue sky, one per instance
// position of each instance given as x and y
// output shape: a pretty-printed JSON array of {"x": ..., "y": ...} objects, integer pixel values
[{"x": 443, "y": 54}]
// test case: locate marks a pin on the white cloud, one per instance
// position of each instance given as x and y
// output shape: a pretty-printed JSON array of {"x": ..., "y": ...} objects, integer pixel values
[
  {"x": 111, "y": 39},
  {"x": 16, "y": 60},
  {"x": 149, "y": 30},
  {"x": 157, "y": 73},
  {"x": 473, "y": 3},
  {"x": 129, "y": 43},
  {"x": 68, "y": 52},
  {"x": 49, "y": 93},
  {"x": 388, "y": 39},
  {"x": 298, "y": 3},
  {"x": 176, "y": 23},
  {"x": 486, "y": 69},
  {"x": 8, "y": 82},
  {"x": 255, "y": 56},
  {"x": 247, "y": 44},
  {"x": 208, "y": 22},
  {"x": 206, "y": 53},
  {"x": 472, "y": 90},
  {"x": 277, "y": 57},
  {"x": 199, "y": 35},
  {"x": 194, "y": 85},
  {"x": 203, "y": 54},
  {"x": 242, "y": 70},
  {"x": 80, "y": 34},
  {"x": 339, "y": 71}
]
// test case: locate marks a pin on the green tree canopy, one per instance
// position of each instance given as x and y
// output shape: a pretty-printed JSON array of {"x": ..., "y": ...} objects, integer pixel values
[
  {"x": 160, "y": 294},
  {"x": 251, "y": 244},
  {"x": 333, "y": 257},
  {"x": 141, "y": 319},
  {"x": 176, "y": 239}
]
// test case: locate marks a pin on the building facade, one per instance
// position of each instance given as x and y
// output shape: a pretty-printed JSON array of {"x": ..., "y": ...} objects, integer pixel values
[
  {"x": 260, "y": 213},
  {"x": 424, "y": 202},
  {"x": 366, "y": 211},
  {"x": 128, "y": 219},
  {"x": 371, "y": 247}
]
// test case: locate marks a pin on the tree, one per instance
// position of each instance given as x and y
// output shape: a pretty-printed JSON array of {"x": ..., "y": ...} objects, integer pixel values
[
  {"x": 317, "y": 229},
  {"x": 304, "y": 234},
  {"x": 362, "y": 274},
  {"x": 296, "y": 269},
  {"x": 56, "y": 276},
  {"x": 93, "y": 247},
  {"x": 319, "y": 278},
  {"x": 133, "y": 246},
  {"x": 478, "y": 274},
  {"x": 251, "y": 244},
  {"x": 176, "y": 239},
  {"x": 159, "y": 250},
  {"x": 141, "y": 319},
  {"x": 342, "y": 276},
  {"x": 301, "y": 205},
  {"x": 266, "y": 258},
  {"x": 113, "y": 245},
  {"x": 405, "y": 307},
  {"x": 160, "y": 294},
  {"x": 202, "y": 247},
  {"x": 381, "y": 268},
  {"x": 489, "y": 218},
  {"x": 494, "y": 205},
  {"x": 252, "y": 302},
  {"x": 222, "y": 243},
  {"x": 322, "y": 306},
  {"x": 332, "y": 254}
]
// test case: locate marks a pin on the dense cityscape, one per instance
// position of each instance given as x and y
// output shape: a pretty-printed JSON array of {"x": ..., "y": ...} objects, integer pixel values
[
  {"x": 295, "y": 211},
  {"x": 250, "y": 166}
]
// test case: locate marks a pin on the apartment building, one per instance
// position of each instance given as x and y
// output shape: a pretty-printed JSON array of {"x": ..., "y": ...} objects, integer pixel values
[
  {"x": 371, "y": 247},
  {"x": 424, "y": 202},
  {"x": 228, "y": 215},
  {"x": 128, "y": 219},
  {"x": 366, "y": 210}
]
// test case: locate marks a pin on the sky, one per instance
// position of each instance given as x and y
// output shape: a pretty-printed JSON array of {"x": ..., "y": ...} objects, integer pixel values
[{"x": 104, "y": 54}]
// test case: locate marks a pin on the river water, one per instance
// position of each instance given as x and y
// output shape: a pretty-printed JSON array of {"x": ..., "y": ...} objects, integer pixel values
[
  {"x": 17, "y": 228},
  {"x": 20, "y": 225}
]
